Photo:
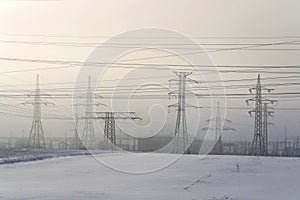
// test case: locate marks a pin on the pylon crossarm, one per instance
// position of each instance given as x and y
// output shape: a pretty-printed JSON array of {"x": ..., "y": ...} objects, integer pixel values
[
  {"x": 227, "y": 128},
  {"x": 117, "y": 115},
  {"x": 174, "y": 80},
  {"x": 185, "y": 74},
  {"x": 173, "y": 105},
  {"x": 252, "y": 99},
  {"x": 192, "y": 106},
  {"x": 173, "y": 92},
  {"x": 97, "y": 96},
  {"x": 268, "y": 100},
  {"x": 40, "y": 94},
  {"x": 28, "y": 103},
  {"x": 47, "y": 103},
  {"x": 207, "y": 128},
  {"x": 266, "y": 89},
  {"x": 192, "y": 94},
  {"x": 251, "y": 90},
  {"x": 250, "y": 112},
  {"x": 189, "y": 80},
  {"x": 126, "y": 118},
  {"x": 100, "y": 104}
]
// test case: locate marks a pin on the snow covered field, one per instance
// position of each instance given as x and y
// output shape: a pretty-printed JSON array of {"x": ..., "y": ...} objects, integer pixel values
[
  {"x": 214, "y": 177},
  {"x": 8, "y": 156}
]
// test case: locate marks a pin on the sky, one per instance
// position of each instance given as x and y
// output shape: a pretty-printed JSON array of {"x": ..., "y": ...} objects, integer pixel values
[{"x": 96, "y": 21}]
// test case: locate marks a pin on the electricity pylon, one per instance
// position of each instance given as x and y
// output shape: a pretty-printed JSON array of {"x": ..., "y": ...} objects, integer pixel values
[
  {"x": 285, "y": 141},
  {"x": 110, "y": 124},
  {"x": 77, "y": 143},
  {"x": 88, "y": 135},
  {"x": 219, "y": 128},
  {"x": 180, "y": 144},
  {"x": 266, "y": 114},
  {"x": 259, "y": 143},
  {"x": 36, "y": 136}
]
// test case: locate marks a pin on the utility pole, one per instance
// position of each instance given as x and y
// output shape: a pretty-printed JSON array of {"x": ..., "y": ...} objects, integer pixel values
[
  {"x": 110, "y": 124},
  {"x": 36, "y": 136},
  {"x": 218, "y": 148},
  {"x": 181, "y": 135},
  {"x": 259, "y": 143}
]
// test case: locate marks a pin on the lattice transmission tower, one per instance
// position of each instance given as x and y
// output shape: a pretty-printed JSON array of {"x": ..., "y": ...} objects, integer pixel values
[
  {"x": 77, "y": 143},
  {"x": 259, "y": 146},
  {"x": 36, "y": 137},
  {"x": 110, "y": 124},
  {"x": 180, "y": 144},
  {"x": 218, "y": 128},
  {"x": 88, "y": 135},
  {"x": 266, "y": 114}
]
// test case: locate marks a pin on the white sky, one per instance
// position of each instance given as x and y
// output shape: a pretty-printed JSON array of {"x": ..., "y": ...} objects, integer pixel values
[{"x": 111, "y": 17}]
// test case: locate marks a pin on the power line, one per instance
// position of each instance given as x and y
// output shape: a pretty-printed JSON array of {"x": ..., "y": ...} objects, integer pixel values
[
  {"x": 147, "y": 58},
  {"x": 72, "y": 64},
  {"x": 116, "y": 45},
  {"x": 150, "y": 36},
  {"x": 152, "y": 77},
  {"x": 152, "y": 96},
  {"x": 213, "y": 51},
  {"x": 147, "y": 87},
  {"x": 120, "y": 45},
  {"x": 119, "y": 64},
  {"x": 15, "y": 114}
]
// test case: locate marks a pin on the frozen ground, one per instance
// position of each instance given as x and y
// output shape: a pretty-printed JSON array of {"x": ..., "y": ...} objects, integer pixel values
[
  {"x": 8, "y": 156},
  {"x": 212, "y": 178}
]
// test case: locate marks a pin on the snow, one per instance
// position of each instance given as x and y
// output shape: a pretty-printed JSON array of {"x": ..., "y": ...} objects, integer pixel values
[
  {"x": 9, "y": 156},
  {"x": 211, "y": 178}
]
